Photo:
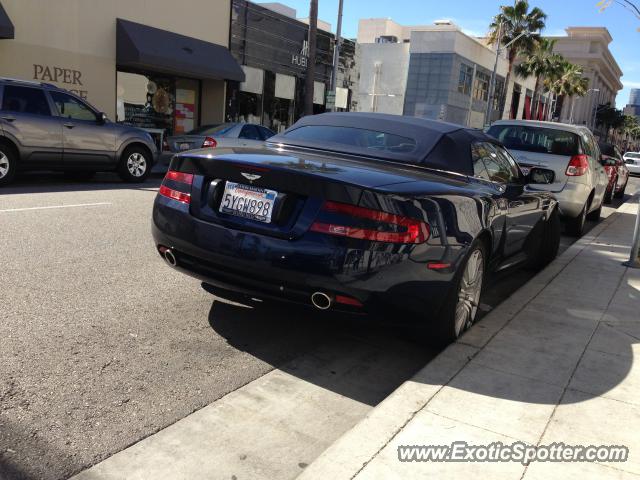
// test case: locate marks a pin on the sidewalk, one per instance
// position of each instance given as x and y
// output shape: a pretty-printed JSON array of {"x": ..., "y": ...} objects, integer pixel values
[{"x": 553, "y": 363}]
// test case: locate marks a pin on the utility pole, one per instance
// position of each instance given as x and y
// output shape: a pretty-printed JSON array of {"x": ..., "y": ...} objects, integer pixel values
[
  {"x": 336, "y": 53},
  {"x": 473, "y": 81},
  {"x": 492, "y": 82},
  {"x": 311, "y": 65}
]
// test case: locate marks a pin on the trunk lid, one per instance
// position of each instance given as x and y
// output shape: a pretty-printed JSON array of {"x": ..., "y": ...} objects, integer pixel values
[
  {"x": 301, "y": 182},
  {"x": 180, "y": 143}
]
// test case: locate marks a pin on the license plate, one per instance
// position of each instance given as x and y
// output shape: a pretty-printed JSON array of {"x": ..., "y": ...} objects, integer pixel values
[
  {"x": 248, "y": 201},
  {"x": 185, "y": 146}
]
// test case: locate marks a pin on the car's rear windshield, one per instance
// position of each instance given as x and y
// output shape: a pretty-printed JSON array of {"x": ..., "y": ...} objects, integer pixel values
[
  {"x": 536, "y": 139},
  {"x": 219, "y": 130},
  {"x": 607, "y": 149},
  {"x": 356, "y": 137},
  {"x": 632, "y": 155}
]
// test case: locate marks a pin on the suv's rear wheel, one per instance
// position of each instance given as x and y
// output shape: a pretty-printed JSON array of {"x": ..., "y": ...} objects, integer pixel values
[
  {"x": 135, "y": 165},
  {"x": 7, "y": 164}
]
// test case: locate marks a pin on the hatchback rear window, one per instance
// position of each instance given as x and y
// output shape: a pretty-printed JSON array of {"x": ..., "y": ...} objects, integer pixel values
[
  {"x": 537, "y": 139},
  {"x": 356, "y": 137},
  {"x": 632, "y": 155}
]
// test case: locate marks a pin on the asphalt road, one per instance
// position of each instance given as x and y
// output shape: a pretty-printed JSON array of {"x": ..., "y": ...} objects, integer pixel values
[{"x": 101, "y": 344}]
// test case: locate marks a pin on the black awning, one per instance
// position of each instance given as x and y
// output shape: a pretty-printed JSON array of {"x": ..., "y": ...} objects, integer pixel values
[
  {"x": 147, "y": 48},
  {"x": 6, "y": 27}
]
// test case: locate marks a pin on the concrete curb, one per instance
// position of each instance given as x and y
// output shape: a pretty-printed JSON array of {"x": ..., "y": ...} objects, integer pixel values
[{"x": 347, "y": 456}]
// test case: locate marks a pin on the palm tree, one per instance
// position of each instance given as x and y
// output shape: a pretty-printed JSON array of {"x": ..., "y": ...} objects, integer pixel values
[
  {"x": 519, "y": 27},
  {"x": 541, "y": 62},
  {"x": 567, "y": 81}
]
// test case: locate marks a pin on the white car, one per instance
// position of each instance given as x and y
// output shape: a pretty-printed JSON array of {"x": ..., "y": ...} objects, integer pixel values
[
  {"x": 572, "y": 152},
  {"x": 632, "y": 160}
]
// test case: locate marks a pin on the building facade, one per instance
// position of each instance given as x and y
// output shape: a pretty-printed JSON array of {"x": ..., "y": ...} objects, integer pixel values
[
  {"x": 272, "y": 47},
  {"x": 437, "y": 72},
  {"x": 589, "y": 48},
  {"x": 156, "y": 66},
  {"x": 633, "y": 107}
]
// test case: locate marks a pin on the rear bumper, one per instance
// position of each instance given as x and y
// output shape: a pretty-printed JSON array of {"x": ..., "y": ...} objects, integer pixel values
[
  {"x": 383, "y": 280},
  {"x": 572, "y": 198}
]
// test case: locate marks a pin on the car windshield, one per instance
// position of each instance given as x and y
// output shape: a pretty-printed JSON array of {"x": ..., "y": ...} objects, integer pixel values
[
  {"x": 219, "y": 130},
  {"x": 357, "y": 137},
  {"x": 536, "y": 139},
  {"x": 632, "y": 155}
]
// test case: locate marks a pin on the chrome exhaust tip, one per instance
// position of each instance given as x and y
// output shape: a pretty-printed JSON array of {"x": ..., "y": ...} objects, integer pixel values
[
  {"x": 169, "y": 257},
  {"x": 321, "y": 300}
]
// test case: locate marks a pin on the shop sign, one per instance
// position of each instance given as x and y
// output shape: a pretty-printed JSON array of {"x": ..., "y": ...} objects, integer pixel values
[
  {"x": 301, "y": 59},
  {"x": 66, "y": 76},
  {"x": 331, "y": 100}
]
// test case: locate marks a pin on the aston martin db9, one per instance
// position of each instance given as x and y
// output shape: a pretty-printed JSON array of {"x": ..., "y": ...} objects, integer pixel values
[{"x": 358, "y": 212}]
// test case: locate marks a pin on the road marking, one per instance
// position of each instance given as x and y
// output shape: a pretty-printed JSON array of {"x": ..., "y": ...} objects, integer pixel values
[{"x": 54, "y": 206}]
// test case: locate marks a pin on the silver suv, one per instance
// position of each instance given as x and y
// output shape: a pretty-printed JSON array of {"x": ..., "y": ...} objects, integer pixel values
[
  {"x": 43, "y": 127},
  {"x": 572, "y": 152}
]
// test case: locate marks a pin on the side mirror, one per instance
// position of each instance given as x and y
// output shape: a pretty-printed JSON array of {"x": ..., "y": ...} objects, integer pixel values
[
  {"x": 102, "y": 118},
  {"x": 541, "y": 176}
]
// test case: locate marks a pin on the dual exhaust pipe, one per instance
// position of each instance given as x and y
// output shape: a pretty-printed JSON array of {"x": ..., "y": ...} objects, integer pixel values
[
  {"x": 320, "y": 300},
  {"x": 168, "y": 255}
]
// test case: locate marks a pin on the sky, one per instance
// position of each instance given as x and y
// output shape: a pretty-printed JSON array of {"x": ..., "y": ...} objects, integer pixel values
[{"x": 474, "y": 16}]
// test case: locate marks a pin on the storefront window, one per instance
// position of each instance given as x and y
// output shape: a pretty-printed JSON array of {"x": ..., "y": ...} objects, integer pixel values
[
  {"x": 279, "y": 95},
  {"x": 159, "y": 104}
]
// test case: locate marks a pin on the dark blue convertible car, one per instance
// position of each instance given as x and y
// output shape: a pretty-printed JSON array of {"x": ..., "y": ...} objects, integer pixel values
[{"x": 358, "y": 212}]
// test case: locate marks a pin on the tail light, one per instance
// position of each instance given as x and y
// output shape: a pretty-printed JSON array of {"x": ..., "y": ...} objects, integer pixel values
[
  {"x": 578, "y": 165},
  {"x": 209, "y": 143},
  {"x": 180, "y": 192},
  {"x": 398, "y": 229}
]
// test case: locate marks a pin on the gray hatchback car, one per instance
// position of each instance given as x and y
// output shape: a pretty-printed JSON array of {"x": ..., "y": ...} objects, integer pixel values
[{"x": 43, "y": 127}]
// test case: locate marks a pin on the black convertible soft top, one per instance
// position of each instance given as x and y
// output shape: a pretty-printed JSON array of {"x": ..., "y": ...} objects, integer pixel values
[{"x": 441, "y": 145}]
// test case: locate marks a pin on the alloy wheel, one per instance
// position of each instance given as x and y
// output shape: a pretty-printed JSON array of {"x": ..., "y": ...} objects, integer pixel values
[
  {"x": 469, "y": 293},
  {"x": 4, "y": 165},
  {"x": 136, "y": 164}
]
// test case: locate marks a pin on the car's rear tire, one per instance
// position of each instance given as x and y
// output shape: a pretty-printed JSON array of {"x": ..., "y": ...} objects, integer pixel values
[
  {"x": 575, "y": 226},
  {"x": 620, "y": 193},
  {"x": 135, "y": 165},
  {"x": 8, "y": 164},
  {"x": 460, "y": 308},
  {"x": 608, "y": 194},
  {"x": 595, "y": 215}
]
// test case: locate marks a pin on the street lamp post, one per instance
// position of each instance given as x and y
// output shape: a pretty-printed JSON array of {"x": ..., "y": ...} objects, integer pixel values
[
  {"x": 492, "y": 82},
  {"x": 595, "y": 110},
  {"x": 336, "y": 53}
]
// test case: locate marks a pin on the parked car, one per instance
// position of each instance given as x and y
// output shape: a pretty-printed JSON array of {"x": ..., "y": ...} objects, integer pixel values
[
  {"x": 216, "y": 135},
  {"x": 571, "y": 152},
  {"x": 618, "y": 173},
  {"x": 358, "y": 212},
  {"x": 632, "y": 161},
  {"x": 43, "y": 127}
]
